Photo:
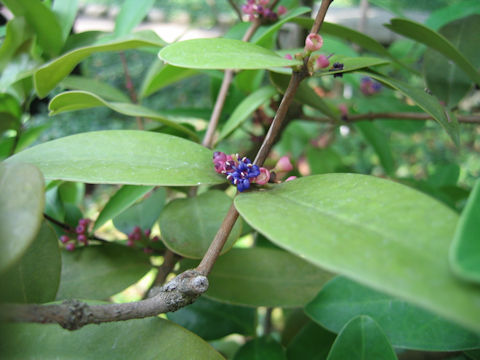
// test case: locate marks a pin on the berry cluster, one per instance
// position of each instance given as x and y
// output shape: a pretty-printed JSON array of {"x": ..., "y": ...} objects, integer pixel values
[
  {"x": 142, "y": 237},
  {"x": 259, "y": 9},
  {"x": 369, "y": 87},
  {"x": 337, "y": 66},
  {"x": 82, "y": 235}
]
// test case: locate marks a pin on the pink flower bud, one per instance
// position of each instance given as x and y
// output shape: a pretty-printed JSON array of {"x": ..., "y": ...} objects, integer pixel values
[
  {"x": 80, "y": 229},
  {"x": 281, "y": 10},
  {"x": 82, "y": 238},
  {"x": 70, "y": 246},
  {"x": 283, "y": 165},
  {"x": 147, "y": 233},
  {"x": 263, "y": 178},
  {"x": 64, "y": 239},
  {"x": 83, "y": 222},
  {"x": 323, "y": 62},
  {"x": 137, "y": 230},
  {"x": 263, "y": 2},
  {"x": 130, "y": 243},
  {"x": 155, "y": 239},
  {"x": 288, "y": 56},
  {"x": 290, "y": 178},
  {"x": 313, "y": 42}
]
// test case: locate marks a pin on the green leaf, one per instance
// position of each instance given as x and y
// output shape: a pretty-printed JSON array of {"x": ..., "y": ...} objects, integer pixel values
[
  {"x": 131, "y": 14},
  {"x": 377, "y": 232},
  {"x": 122, "y": 200},
  {"x": 42, "y": 20},
  {"x": 221, "y": 54},
  {"x": 189, "y": 225},
  {"x": 21, "y": 210},
  {"x": 434, "y": 40},
  {"x": 263, "y": 34},
  {"x": 245, "y": 108},
  {"x": 312, "y": 342},
  {"x": 144, "y": 214},
  {"x": 406, "y": 325},
  {"x": 124, "y": 157},
  {"x": 35, "y": 278},
  {"x": 324, "y": 161},
  {"x": 465, "y": 250},
  {"x": 474, "y": 354},
  {"x": 79, "y": 100},
  {"x": 305, "y": 95},
  {"x": 95, "y": 86},
  {"x": 261, "y": 348},
  {"x": 263, "y": 277},
  {"x": 161, "y": 75},
  {"x": 153, "y": 338},
  {"x": 361, "y": 339},
  {"x": 72, "y": 192},
  {"x": 17, "y": 32},
  {"x": 380, "y": 143},
  {"x": 454, "y": 11},
  {"x": 444, "y": 79},
  {"x": 49, "y": 75},
  {"x": 98, "y": 272},
  {"x": 66, "y": 11},
  {"x": 426, "y": 102},
  {"x": 10, "y": 112},
  {"x": 227, "y": 319},
  {"x": 352, "y": 64}
]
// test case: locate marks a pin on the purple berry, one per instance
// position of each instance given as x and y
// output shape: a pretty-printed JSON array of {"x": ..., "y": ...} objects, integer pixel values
[
  {"x": 70, "y": 246},
  {"x": 80, "y": 229},
  {"x": 137, "y": 230},
  {"x": 82, "y": 238},
  {"x": 83, "y": 222},
  {"x": 155, "y": 239},
  {"x": 147, "y": 232},
  {"x": 64, "y": 239}
]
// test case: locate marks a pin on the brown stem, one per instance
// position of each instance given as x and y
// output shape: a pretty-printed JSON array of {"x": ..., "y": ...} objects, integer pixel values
[
  {"x": 236, "y": 9},
  {"x": 130, "y": 87},
  {"x": 73, "y": 314},
  {"x": 169, "y": 261},
  {"x": 466, "y": 119}
]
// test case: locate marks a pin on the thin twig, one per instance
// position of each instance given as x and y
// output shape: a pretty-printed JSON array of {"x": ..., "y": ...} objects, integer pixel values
[
  {"x": 465, "y": 119},
  {"x": 218, "y": 242},
  {"x": 71, "y": 229},
  {"x": 236, "y": 9},
  {"x": 130, "y": 87},
  {"x": 73, "y": 314},
  {"x": 267, "y": 322}
]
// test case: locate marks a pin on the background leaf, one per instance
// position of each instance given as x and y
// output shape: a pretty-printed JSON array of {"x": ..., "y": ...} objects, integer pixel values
[
  {"x": 126, "y": 196},
  {"x": 189, "y": 225},
  {"x": 21, "y": 210},
  {"x": 204, "y": 312},
  {"x": 406, "y": 325},
  {"x": 221, "y": 54},
  {"x": 35, "y": 278},
  {"x": 312, "y": 342},
  {"x": 380, "y": 143},
  {"x": 465, "y": 250},
  {"x": 361, "y": 339},
  {"x": 66, "y": 10},
  {"x": 161, "y": 75},
  {"x": 140, "y": 338},
  {"x": 131, "y": 14},
  {"x": 353, "y": 223},
  {"x": 102, "y": 89},
  {"x": 124, "y": 157},
  {"x": 263, "y": 277},
  {"x": 98, "y": 272},
  {"x": 264, "y": 347}
]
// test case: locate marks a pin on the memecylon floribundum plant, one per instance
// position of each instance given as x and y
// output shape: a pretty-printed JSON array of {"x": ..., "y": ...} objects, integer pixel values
[{"x": 239, "y": 171}]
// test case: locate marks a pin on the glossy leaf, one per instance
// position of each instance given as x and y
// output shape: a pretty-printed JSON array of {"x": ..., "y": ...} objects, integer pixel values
[
  {"x": 102, "y": 89},
  {"x": 406, "y": 325},
  {"x": 10, "y": 112},
  {"x": 144, "y": 214},
  {"x": 126, "y": 196},
  {"x": 312, "y": 342},
  {"x": 426, "y": 102},
  {"x": 245, "y": 277},
  {"x": 42, "y": 20},
  {"x": 17, "y": 32},
  {"x": 21, "y": 210},
  {"x": 454, "y": 11},
  {"x": 131, "y": 14},
  {"x": 72, "y": 192},
  {"x": 354, "y": 223},
  {"x": 305, "y": 95},
  {"x": 152, "y": 338},
  {"x": 262, "y": 35},
  {"x": 49, "y": 75},
  {"x": 245, "y": 108},
  {"x": 465, "y": 250},
  {"x": 262, "y": 348},
  {"x": 436, "y": 41},
  {"x": 79, "y": 100},
  {"x": 66, "y": 11},
  {"x": 228, "y": 319},
  {"x": 361, "y": 339},
  {"x": 35, "y": 278},
  {"x": 221, "y": 54},
  {"x": 98, "y": 272},
  {"x": 189, "y": 225},
  {"x": 444, "y": 78},
  {"x": 380, "y": 143},
  {"x": 124, "y": 157},
  {"x": 161, "y": 75}
]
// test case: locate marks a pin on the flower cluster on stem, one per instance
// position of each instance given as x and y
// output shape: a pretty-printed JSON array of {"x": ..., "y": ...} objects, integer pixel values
[
  {"x": 142, "y": 238},
  {"x": 82, "y": 235},
  {"x": 259, "y": 9}
]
